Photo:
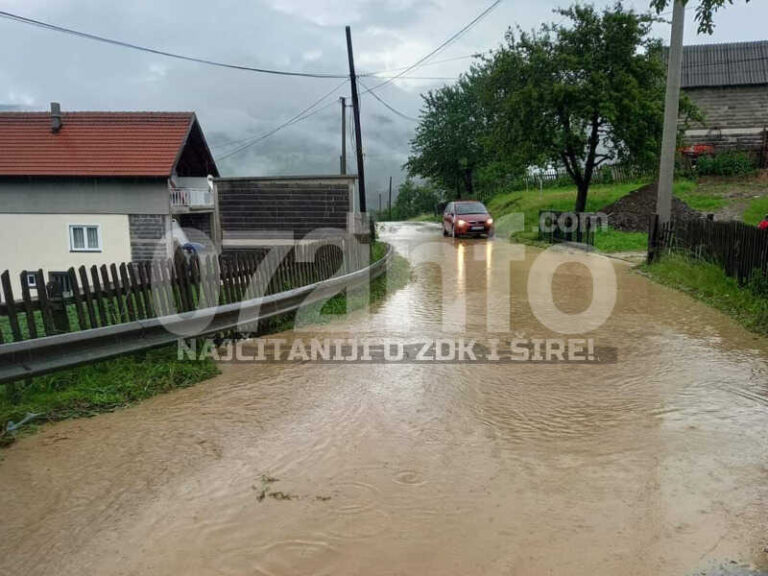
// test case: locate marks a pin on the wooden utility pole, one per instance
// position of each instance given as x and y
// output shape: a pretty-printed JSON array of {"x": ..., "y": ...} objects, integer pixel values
[
  {"x": 343, "y": 135},
  {"x": 390, "y": 198},
  {"x": 358, "y": 132},
  {"x": 671, "y": 111}
]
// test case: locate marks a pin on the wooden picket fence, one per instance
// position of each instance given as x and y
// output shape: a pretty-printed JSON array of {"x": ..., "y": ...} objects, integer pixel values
[
  {"x": 115, "y": 293},
  {"x": 555, "y": 227},
  {"x": 740, "y": 249}
]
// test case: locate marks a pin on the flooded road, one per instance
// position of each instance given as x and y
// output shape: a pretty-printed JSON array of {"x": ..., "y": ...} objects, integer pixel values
[{"x": 654, "y": 464}]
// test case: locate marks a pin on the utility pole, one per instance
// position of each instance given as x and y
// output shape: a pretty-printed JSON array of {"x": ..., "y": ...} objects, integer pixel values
[
  {"x": 379, "y": 201},
  {"x": 671, "y": 110},
  {"x": 390, "y": 198},
  {"x": 358, "y": 134},
  {"x": 343, "y": 135}
]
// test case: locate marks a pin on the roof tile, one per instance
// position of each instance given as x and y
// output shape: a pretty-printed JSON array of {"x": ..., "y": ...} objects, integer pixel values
[{"x": 92, "y": 143}]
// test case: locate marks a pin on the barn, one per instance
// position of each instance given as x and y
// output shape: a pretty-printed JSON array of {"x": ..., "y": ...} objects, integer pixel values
[{"x": 729, "y": 84}]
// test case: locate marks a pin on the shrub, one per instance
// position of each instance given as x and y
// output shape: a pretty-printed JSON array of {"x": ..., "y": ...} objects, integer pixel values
[
  {"x": 726, "y": 164},
  {"x": 758, "y": 284}
]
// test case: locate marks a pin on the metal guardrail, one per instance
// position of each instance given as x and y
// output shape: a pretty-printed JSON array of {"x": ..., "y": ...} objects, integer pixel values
[{"x": 28, "y": 358}]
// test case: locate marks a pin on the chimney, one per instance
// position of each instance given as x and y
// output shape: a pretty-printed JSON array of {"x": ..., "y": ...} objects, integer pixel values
[{"x": 56, "y": 122}]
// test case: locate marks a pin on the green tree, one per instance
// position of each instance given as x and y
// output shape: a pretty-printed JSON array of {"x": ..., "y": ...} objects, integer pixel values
[
  {"x": 447, "y": 148},
  {"x": 414, "y": 199},
  {"x": 705, "y": 11},
  {"x": 577, "y": 95}
]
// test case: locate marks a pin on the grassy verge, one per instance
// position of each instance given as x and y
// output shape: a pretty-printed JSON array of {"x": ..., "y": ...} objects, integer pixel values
[
  {"x": 113, "y": 384},
  {"x": 708, "y": 283},
  {"x": 616, "y": 241},
  {"x": 529, "y": 203},
  {"x": 756, "y": 210},
  {"x": 705, "y": 199},
  {"x": 101, "y": 387}
]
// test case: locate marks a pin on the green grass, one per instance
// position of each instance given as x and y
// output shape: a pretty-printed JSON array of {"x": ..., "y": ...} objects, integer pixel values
[
  {"x": 756, "y": 210},
  {"x": 702, "y": 198},
  {"x": 101, "y": 387},
  {"x": 706, "y": 196},
  {"x": 529, "y": 203},
  {"x": 616, "y": 241},
  {"x": 708, "y": 283}
]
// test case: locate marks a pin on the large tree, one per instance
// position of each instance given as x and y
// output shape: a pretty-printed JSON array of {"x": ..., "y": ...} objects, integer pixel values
[
  {"x": 577, "y": 94},
  {"x": 705, "y": 11},
  {"x": 447, "y": 148}
]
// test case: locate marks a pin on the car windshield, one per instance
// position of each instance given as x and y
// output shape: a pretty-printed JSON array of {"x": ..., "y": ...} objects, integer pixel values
[{"x": 470, "y": 208}]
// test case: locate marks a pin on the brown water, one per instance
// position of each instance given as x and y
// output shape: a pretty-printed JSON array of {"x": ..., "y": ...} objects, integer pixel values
[{"x": 656, "y": 464}]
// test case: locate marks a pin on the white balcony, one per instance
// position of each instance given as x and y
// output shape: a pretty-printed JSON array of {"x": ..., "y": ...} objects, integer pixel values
[
  {"x": 190, "y": 195},
  {"x": 191, "y": 199}
]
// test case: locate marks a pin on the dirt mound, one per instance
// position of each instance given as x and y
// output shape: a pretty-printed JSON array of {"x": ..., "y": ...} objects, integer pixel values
[{"x": 631, "y": 212}]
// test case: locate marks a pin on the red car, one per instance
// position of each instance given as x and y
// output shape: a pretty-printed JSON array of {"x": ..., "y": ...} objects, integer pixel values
[{"x": 467, "y": 218}]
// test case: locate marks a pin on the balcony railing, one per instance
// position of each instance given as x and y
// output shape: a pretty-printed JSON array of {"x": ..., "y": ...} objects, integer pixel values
[{"x": 191, "y": 199}]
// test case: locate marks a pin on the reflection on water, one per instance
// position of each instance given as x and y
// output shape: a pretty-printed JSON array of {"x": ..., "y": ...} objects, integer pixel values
[{"x": 657, "y": 464}]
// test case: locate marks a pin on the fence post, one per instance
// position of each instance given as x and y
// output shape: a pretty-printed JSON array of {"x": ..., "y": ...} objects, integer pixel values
[
  {"x": 10, "y": 304},
  {"x": 653, "y": 237}
]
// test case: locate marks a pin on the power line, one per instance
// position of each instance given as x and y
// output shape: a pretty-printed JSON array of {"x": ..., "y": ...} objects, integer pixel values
[
  {"x": 96, "y": 38},
  {"x": 388, "y": 106},
  {"x": 458, "y": 34},
  {"x": 433, "y": 63},
  {"x": 303, "y": 115},
  {"x": 258, "y": 139},
  {"x": 414, "y": 77}
]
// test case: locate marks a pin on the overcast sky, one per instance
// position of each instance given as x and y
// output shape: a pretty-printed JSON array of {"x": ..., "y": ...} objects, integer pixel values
[{"x": 300, "y": 35}]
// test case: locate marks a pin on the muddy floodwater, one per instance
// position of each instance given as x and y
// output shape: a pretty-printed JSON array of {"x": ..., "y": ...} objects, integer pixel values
[{"x": 656, "y": 463}]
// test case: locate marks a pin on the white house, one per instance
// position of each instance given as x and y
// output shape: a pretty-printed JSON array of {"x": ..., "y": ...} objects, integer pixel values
[{"x": 83, "y": 188}]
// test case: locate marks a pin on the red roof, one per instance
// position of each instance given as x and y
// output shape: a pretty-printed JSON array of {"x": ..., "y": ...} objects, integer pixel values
[{"x": 92, "y": 143}]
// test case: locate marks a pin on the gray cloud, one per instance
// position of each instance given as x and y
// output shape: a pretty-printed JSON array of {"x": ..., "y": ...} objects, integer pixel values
[{"x": 41, "y": 66}]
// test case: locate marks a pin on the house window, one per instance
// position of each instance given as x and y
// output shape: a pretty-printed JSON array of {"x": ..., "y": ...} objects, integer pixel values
[
  {"x": 31, "y": 280},
  {"x": 84, "y": 238}
]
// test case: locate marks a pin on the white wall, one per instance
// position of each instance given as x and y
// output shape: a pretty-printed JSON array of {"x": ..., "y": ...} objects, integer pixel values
[{"x": 33, "y": 241}]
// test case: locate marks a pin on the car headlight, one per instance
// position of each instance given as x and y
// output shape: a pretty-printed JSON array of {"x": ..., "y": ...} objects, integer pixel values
[
  {"x": 461, "y": 223},
  {"x": 489, "y": 221}
]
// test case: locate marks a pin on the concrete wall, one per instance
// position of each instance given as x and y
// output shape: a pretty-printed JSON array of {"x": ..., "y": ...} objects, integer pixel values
[
  {"x": 84, "y": 196},
  {"x": 149, "y": 233},
  {"x": 254, "y": 210},
  {"x": 735, "y": 116},
  {"x": 32, "y": 241},
  {"x": 198, "y": 227}
]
